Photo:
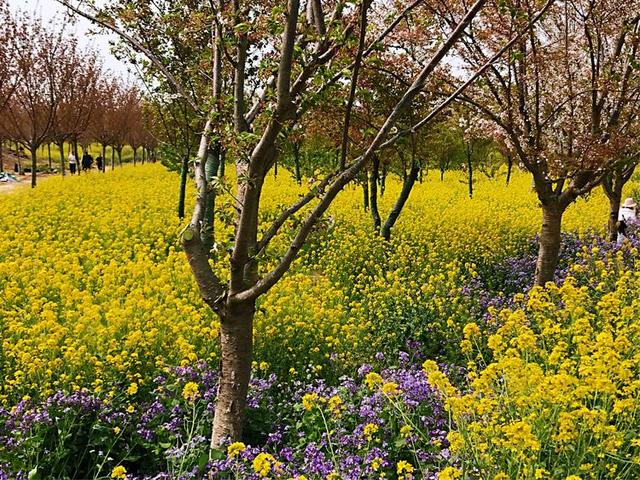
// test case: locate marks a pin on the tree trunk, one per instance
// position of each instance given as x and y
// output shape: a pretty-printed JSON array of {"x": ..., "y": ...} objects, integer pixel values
[
  {"x": 210, "y": 171},
  {"x": 549, "y": 248},
  {"x": 62, "y": 158},
  {"x": 470, "y": 167},
  {"x": 365, "y": 195},
  {"x": 222, "y": 157},
  {"x": 135, "y": 156},
  {"x": 442, "y": 174},
  {"x": 34, "y": 165},
  {"x": 104, "y": 157},
  {"x": 113, "y": 158},
  {"x": 373, "y": 194},
  {"x": 49, "y": 156},
  {"x": 407, "y": 186},
  {"x": 296, "y": 162},
  {"x": 184, "y": 170},
  {"x": 119, "y": 156},
  {"x": 614, "y": 208},
  {"x": 509, "y": 167},
  {"x": 78, "y": 160},
  {"x": 383, "y": 180},
  {"x": 1, "y": 157},
  {"x": 236, "y": 347}
]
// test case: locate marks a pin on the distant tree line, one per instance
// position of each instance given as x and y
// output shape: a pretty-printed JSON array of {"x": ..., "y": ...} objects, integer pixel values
[{"x": 52, "y": 92}]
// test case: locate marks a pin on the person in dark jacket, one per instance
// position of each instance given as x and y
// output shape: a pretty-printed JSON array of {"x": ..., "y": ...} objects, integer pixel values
[{"x": 87, "y": 160}]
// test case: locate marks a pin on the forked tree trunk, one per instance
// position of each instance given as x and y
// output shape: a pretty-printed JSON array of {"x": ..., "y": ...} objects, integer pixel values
[
  {"x": 550, "y": 242},
  {"x": 407, "y": 186},
  {"x": 373, "y": 194},
  {"x": 184, "y": 169},
  {"x": 236, "y": 345}
]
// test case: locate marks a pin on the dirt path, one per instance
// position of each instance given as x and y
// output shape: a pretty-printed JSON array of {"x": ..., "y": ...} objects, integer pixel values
[{"x": 25, "y": 182}]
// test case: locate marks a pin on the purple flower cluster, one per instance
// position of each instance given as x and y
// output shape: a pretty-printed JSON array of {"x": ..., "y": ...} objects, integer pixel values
[{"x": 167, "y": 435}]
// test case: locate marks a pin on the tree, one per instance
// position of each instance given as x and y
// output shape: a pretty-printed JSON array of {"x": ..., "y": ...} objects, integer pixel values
[
  {"x": 563, "y": 97},
  {"x": 8, "y": 77},
  {"x": 31, "y": 111},
  {"x": 293, "y": 72},
  {"x": 77, "y": 95},
  {"x": 612, "y": 184}
]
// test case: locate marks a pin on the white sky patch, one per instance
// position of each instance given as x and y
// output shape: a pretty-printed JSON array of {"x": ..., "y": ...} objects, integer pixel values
[{"x": 80, "y": 28}]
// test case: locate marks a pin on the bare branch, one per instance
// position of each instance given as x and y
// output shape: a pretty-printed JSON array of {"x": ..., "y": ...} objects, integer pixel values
[
  {"x": 132, "y": 42},
  {"x": 471, "y": 80},
  {"x": 263, "y": 285},
  {"x": 364, "y": 6},
  {"x": 293, "y": 209}
]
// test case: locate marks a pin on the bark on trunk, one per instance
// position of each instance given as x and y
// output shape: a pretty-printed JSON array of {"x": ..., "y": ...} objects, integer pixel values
[
  {"x": 236, "y": 346},
  {"x": 49, "y": 156},
  {"x": 34, "y": 166},
  {"x": 614, "y": 208},
  {"x": 441, "y": 174},
  {"x": 365, "y": 195},
  {"x": 407, "y": 186},
  {"x": 1, "y": 158},
  {"x": 373, "y": 195},
  {"x": 210, "y": 170},
  {"x": 62, "y": 158},
  {"x": 470, "y": 167},
  {"x": 549, "y": 248},
  {"x": 113, "y": 158},
  {"x": 509, "y": 167},
  {"x": 296, "y": 162},
  {"x": 222, "y": 157},
  {"x": 120, "y": 156},
  {"x": 104, "y": 158},
  {"x": 135, "y": 156},
  {"x": 78, "y": 159},
  {"x": 183, "y": 185}
]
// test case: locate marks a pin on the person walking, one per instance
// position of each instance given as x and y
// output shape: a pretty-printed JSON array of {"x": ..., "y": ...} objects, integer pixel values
[
  {"x": 87, "y": 160},
  {"x": 627, "y": 217},
  {"x": 73, "y": 163}
]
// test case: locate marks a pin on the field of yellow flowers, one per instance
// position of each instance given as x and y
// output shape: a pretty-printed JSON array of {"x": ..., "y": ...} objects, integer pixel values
[{"x": 98, "y": 307}]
